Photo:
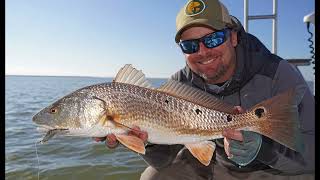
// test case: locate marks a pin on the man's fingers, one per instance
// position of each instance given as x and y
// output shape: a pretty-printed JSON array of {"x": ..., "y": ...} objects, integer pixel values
[
  {"x": 135, "y": 131},
  {"x": 227, "y": 147},
  {"x": 138, "y": 133},
  {"x": 112, "y": 144},
  {"x": 238, "y": 109},
  {"x": 111, "y": 138},
  {"x": 99, "y": 139},
  {"x": 111, "y": 141},
  {"x": 143, "y": 136},
  {"x": 233, "y": 134}
]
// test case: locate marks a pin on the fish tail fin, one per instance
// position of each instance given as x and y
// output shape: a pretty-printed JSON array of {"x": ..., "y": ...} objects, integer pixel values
[{"x": 279, "y": 118}]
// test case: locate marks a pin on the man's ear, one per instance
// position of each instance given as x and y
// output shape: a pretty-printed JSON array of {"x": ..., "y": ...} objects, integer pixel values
[{"x": 234, "y": 38}]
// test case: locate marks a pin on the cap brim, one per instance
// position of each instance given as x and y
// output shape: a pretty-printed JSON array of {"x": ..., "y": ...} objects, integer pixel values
[{"x": 199, "y": 22}]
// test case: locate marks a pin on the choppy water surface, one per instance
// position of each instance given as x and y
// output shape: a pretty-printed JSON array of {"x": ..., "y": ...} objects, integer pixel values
[{"x": 62, "y": 157}]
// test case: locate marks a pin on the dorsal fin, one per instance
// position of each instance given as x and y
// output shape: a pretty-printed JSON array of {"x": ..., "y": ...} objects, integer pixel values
[
  {"x": 129, "y": 75},
  {"x": 197, "y": 96}
]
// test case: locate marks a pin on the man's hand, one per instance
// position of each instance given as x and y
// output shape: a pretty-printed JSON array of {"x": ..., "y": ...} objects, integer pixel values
[
  {"x": 241, "y": 147},
  {"x": 112, "y": 142}
]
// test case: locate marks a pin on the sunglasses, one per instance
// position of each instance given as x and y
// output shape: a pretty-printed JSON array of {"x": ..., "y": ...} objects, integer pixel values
[{"x": 211, "y": 40}]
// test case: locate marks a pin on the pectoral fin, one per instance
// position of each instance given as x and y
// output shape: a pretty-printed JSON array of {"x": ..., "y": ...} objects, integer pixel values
[
  {"x": 132, "y": 143},
  {"x": 203, "y": 151}
]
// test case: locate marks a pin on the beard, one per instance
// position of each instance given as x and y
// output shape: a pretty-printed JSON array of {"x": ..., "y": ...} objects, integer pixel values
[
  {"x": 218, "y": 74},
  {"x": 221, "y": 71}
]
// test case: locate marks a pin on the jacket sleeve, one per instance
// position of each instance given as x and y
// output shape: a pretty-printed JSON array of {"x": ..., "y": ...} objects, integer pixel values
[
  {"x": 160, "y": 156},
  {"x": 278, "y": 156}
]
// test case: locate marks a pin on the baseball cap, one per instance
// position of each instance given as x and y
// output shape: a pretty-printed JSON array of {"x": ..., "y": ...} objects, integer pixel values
[{"x": 208, "y": 13}]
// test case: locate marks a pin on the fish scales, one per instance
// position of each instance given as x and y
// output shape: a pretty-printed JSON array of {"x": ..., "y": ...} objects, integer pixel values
[{"x": 150, "y": 108}]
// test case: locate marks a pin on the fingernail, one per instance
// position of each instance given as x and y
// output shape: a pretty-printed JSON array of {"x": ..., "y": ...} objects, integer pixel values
[
  {"x": 112, "y": 145},
  {"x": 231, "y": 156},
  {"x": 143, "y": 136},
  {"x": 130, "y": 133},
  {"x": 109, "y": 139}
]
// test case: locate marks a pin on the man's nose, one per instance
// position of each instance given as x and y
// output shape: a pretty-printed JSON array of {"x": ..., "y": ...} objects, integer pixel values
[{"x": 202, "y": 49}]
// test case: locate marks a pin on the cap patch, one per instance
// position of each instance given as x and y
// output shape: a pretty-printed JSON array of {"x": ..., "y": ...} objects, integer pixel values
[{"x": 195, "y": 7}]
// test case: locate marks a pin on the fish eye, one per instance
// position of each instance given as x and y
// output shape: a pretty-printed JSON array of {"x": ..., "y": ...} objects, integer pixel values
[{"x": 53, "y": 110}]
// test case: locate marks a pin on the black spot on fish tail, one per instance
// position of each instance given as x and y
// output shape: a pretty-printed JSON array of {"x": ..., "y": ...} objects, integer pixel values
[
  {"x": 166, "y": 101},
  {"x": 259, "y": 112}
]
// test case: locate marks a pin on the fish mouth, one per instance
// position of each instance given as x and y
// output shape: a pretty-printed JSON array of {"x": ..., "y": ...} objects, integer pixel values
[
  {"x": 45, "y": 128},
  {"x": 50, "y": 132}
]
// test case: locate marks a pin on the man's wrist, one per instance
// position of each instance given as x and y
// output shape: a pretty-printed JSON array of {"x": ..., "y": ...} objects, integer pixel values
[{"x": 243, "y": 153}]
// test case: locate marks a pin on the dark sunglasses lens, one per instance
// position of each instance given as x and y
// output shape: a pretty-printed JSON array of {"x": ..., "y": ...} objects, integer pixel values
[
  {"x": 189, "y": 46},
  {"x": 214, "y": 39}
]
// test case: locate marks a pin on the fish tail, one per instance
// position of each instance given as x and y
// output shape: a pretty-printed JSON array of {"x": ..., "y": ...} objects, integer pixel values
[{"x": 280, "y": 119}]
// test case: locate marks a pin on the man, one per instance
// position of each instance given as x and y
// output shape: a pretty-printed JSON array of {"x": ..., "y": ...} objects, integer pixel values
[{"x": 225, "y": 61}]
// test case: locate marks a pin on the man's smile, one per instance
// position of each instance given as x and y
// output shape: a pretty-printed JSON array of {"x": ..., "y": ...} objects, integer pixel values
[{"x": 206, "y": 62}]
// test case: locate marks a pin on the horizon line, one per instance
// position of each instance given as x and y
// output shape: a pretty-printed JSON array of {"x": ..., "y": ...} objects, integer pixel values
[{"x": 74, "y": 76}]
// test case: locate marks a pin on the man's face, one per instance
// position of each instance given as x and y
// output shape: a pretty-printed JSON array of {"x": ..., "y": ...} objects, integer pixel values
[{"x": 216, "y": 64}]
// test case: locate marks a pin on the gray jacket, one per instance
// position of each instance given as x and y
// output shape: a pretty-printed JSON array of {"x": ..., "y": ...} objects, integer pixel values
[{"x": 259, "y": 75}]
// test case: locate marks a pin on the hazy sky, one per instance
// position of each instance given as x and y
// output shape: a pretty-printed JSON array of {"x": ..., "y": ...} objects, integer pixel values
[{"x": 97, "y": 37}]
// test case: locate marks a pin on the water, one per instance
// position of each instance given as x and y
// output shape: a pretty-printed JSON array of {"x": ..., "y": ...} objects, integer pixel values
[{"x": 62, "y": 157}]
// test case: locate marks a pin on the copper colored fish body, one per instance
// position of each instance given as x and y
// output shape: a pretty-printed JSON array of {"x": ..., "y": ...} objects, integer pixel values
[
  {"x": 166, "y": 116},
  {"x": 175, "y": 113}
]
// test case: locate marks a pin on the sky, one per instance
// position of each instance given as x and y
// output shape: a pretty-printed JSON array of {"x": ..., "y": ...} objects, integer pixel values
[{"x": 97, "y": 37}]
